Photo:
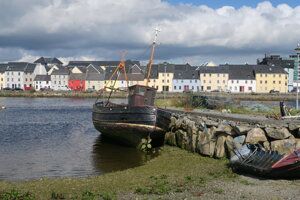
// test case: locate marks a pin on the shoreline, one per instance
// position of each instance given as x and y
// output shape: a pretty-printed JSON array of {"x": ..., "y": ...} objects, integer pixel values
[
  {"x": 174, "y": 174},
  {"x": 79, "y": 94}
]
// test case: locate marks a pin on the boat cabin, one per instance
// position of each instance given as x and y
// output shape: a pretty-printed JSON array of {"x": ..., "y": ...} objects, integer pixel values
[{"x": 140, "y": 95}]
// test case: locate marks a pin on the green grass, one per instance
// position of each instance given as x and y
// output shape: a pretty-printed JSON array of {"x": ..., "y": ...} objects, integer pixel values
[{"x": 174, "y": 170}]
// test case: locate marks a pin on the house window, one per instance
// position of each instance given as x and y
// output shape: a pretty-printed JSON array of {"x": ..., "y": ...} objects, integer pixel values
[
  {"x": 251, "y": 82},
  {"x": 223, "y": 75},
  {"x": 266, "y": 75},
  {"x": 273, "y": 75},
  {"x": 204, "y": 75},
  {"x": 47, "y": 82},
  {"x": 246, "y": 82},
  {"x": 181, "y": 81},
  {"x": 167, "y": 75},
  {"x": 192, "y": 87},
  {"x": 179, "y": 87},
  {"x": 30, "y": 79},
  {"x": 237, "y": 81},
  {"x": 163, "y": 81},
  {"x": 218, "y": 75},
  {"x": 25, "y": 79},
  {"x": 18, "y": 79},
  {"x": 217, "y": 81},
  {"x": 273, "y": 82},
  {"x": 195, "y": 81},
  {"x": 266, "y": 81},
  {"x": 261, "y": 75},
  {"x": 12, "y": 79},
  {"x": 261, "y": 82},
  {"x": 209, "y": 75},
  {"x": 168, "y": 81},
  {"x": 209, "y": 81},
  {"x": 154, "y": 80},
  {"x": 190, "y": 81},
  {"x": 250, "y": 88},
  {"x": 19, "y": 74},
  {"x": 204, "y": 81},
  {"x": 279, "y": 75},
  {"x": 232, "y": 81},
  {"x": 235, "y": 88},
  {"x": 223, "y": 81},
  {"x": 174, "y": 87},
  {"x": 208, "y": 87}
]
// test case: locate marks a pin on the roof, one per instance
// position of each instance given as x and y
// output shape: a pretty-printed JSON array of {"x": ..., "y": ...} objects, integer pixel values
[
  {"x": 128, "y": 63},
  {"x": 3, "y": 67},
  {"x": 153, "y": 72},
  {"x": 63, "y": 71},
  {"x": 185, "y": 72},
  {"x": 94, "y": 77},
  {"x": 76, "y": 76},
  {"x": 46, "y": 61},
  {"x": 213, "y": 70},
  {"x": 241, "y": 72},
  {"x": 20, "y": 66},
  {"x": 166, "y": 68},
  {"x": 276, "y": 60},
  {"x": 42, "y": 78},
  {"x": 266, "y": 69}
]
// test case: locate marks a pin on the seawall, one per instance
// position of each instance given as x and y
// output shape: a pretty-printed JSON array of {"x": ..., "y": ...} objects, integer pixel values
[{"x": 217, "y": 134}]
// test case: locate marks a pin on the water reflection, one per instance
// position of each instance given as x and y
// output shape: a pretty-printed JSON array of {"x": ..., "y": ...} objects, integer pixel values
[{"x": 109, "y": 156}]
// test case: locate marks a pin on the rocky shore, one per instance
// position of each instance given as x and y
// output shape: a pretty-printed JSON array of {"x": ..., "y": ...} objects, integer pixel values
[{"x": 218, "y": 137}]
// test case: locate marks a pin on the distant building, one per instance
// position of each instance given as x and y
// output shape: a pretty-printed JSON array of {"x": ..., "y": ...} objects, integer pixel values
[
  {"x": 49, "y": 62},
  {"x": 3, "y": 67},
  {"x": 59, "y": 79},
  {"x": 214, "y": 78},
  {"x": 186, "y": 78},
  {"x": 42, "y": 82},
  {"x": 241, "y": 79},
  {"x": 270, "y": 78},
  {"x": 288, "y": 64},
  {"x": 76, "y": 81},
  {"x": 94, "y": 78}
]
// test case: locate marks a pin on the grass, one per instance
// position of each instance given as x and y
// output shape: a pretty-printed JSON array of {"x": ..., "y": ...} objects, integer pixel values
[{"x": 174, "y": 170}]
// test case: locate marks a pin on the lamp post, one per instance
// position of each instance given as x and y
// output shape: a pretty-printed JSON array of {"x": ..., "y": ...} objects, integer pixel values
[
  {"x": 298, "y": 53},
  {"x": 165, "y": 88}
]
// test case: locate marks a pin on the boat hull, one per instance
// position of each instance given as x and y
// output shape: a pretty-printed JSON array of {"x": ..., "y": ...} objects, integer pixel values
[{"x": 130, "y": 124}]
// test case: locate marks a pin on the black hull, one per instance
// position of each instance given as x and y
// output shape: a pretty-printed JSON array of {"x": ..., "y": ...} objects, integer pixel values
[{"x": 130, "y": 124}]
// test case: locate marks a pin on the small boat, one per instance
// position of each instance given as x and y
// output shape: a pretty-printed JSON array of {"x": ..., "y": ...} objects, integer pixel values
[
  {"x": 137, "y": 121},
  {"x": 251, "y": 158}
]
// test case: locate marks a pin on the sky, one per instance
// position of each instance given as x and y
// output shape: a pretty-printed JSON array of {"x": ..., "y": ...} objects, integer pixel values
[{"x": 191, "y": 31}]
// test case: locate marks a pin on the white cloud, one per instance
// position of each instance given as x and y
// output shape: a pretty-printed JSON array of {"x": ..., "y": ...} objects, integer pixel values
[{"x": 100, "y": 29}]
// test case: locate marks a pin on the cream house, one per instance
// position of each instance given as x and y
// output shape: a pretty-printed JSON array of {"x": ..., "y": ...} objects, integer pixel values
[
  {"x": 214, "y": 78},
  {"x": 2, "y": 75}
]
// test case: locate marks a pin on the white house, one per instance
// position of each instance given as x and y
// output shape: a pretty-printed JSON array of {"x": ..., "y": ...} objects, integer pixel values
[
  {"x": 42, "y": 81},
  {"x": 186, "y": 78},
  {"x": 241, "y": 79},
  {"x": 59, "y": 79}
]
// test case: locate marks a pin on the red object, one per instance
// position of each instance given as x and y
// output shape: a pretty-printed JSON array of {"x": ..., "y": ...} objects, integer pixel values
[
  {"x": 102, "y": 90},
  {"x": 76, "y": 85}
]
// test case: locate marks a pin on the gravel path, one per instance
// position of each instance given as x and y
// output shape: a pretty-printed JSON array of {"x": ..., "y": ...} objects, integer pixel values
[{"x": 243, "y": 188}]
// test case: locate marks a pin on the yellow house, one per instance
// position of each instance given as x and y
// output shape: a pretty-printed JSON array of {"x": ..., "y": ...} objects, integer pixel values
[
  {"x": 2, "y": 75},
  {"x": 270, "y": 78},
  {"x": 213, "y": 78},
  {"x": 165, "y": 77}
]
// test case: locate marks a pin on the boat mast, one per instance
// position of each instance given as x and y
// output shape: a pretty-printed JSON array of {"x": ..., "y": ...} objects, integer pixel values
[{"x": 152, "y": 55}]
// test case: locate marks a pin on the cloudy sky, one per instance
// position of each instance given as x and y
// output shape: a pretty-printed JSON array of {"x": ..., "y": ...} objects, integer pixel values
[{"x": 193, "y": 31}]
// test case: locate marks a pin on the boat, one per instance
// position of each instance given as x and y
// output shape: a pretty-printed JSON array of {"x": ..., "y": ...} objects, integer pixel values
[
  {"x": 252, "y": 159},
  {"x": 137, "y": 122}
]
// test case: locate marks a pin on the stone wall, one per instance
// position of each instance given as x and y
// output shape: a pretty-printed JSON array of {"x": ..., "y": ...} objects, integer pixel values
[{"x": 218, "y": 138}]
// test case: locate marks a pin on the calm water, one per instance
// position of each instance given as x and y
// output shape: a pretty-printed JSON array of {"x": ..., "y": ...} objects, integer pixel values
[{"x": 55, "y": 137}]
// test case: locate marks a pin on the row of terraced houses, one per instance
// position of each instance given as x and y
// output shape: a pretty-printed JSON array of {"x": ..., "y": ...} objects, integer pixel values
[{"x": 270, "y": 73}]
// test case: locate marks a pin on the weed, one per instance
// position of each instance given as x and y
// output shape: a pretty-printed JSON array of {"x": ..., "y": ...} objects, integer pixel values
[
  {"x": 88, "y": 195},
  {"x": 108, "y": 196},
  {"x": 218, "y": 190},
  {"x": 159, "y": 185},
  {"x": 16, "y": 195},
  {"x": 246, "y": 182},
  {"x": 55, "y": 195}
]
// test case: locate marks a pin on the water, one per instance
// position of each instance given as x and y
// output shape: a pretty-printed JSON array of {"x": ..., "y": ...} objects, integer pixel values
[{"x": 55, "y": 137}]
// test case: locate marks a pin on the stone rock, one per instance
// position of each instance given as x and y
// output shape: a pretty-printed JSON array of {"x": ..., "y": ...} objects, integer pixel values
[
  {"x": 178, "y": 123},
  {"x": 238, "y": 141},
  {"x": 210, "y": 123},
  {"x": 207, "y": 142},
  {"x": 286, "y": 146},
  {"x": 181, "y": 139},
  {"x": 294, "y": 127},
  {"x": 266, "y": 146},
  {"x": 278, "y": 133},
  {"x": 242, "y": 130},
  {"x": 170, "y": 138},
  {"x": 220, "y": 146},
  {"x": 172, "y": 122},
  {"x": 229, "y": 147},
  {"x": 256, "y": 135},
  {"x": 224, "y": 129}
]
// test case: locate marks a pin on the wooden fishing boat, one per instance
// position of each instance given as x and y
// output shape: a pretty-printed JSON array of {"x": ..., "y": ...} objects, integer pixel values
[
  {"x": 137, "y": 121},
  {"x": 251, "y": 158}
]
